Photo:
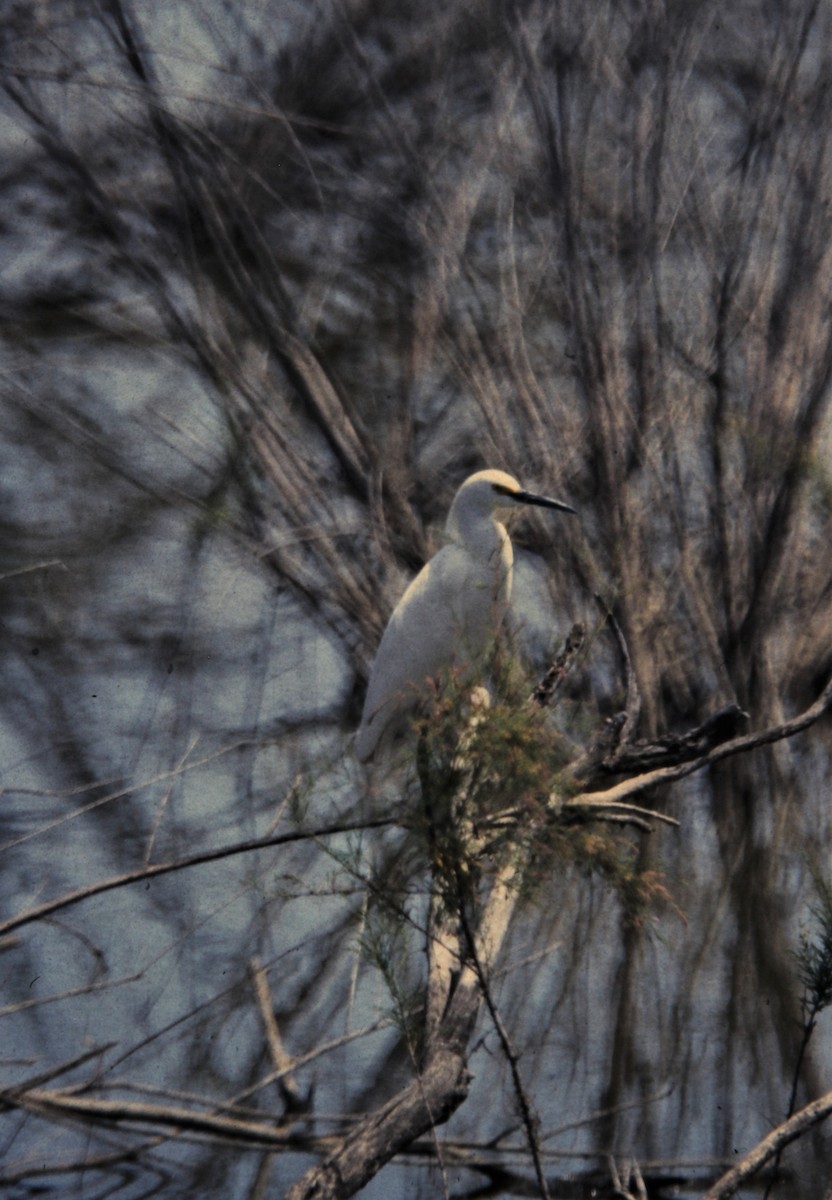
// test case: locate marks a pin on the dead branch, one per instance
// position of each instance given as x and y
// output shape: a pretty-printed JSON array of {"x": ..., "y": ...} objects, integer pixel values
[
  {"x": 672, "y": 748},
  {"x": 610, "y": 755},
  {"x": 773, "y": 1142},
  {"x": 615, "y": 751},
  {"x": 641, "y": 783},
  {"x": 55, "y": 1103},
  {"x": 426, "y": 1102},
  {"x": 612, "y": 811}
]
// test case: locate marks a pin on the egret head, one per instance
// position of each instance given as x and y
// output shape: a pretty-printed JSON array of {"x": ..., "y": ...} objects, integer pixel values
[{"x": 488, "y": 492}]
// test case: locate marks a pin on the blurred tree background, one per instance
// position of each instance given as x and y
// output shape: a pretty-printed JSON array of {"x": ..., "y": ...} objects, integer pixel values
[{"x": 276, "y": 277}]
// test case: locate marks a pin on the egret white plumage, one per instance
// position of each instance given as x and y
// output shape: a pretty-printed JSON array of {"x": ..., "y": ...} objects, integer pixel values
[{"x": 450, "y": 612}]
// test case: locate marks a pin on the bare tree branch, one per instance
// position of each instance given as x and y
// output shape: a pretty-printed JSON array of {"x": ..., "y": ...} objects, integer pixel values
[
  {"x": 751, "y": 1162},
  {"x": 46, "y": 1103}
]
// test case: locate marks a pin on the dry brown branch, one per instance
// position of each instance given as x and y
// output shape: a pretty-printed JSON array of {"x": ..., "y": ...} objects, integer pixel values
[
  {"x": 766, "y": 1149},
  {"x": 426, "y": 1102},
  {"x": 672, "y": 748},
  {"x": 609, "y": 754},
  {"x": 612, "y": 811}
]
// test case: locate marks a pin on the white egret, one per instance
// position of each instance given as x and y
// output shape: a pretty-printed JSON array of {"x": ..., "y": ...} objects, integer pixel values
[{"x": 452, "y": 609}]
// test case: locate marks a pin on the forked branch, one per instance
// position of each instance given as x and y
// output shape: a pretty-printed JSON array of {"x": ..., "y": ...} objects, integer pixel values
[{"x": 622, "y": 792}]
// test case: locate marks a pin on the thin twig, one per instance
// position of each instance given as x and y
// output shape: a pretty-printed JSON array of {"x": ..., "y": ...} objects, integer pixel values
[
  {"x": 39, "y": 566},
  {"x": 179, "y": 864},
  {"x": 614, "y": 810},
  {"x": 281, "y": 1061},
  {"x": 531, "y": 1122},
  {"x": 42, "y": 1077},
  {"x": 632, "y": 707},
  {"x": 86, "y": 1107}
]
